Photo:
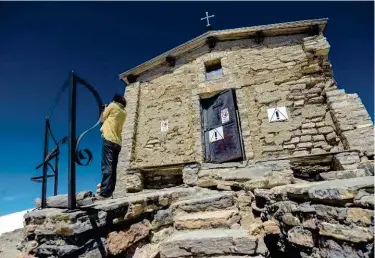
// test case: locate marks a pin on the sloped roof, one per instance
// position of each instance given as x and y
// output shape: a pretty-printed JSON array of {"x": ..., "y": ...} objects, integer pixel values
[{"x": 286, "y": 28}]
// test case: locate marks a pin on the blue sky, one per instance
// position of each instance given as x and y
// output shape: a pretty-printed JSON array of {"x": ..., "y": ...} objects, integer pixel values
[{"x": 42, "y": 41}]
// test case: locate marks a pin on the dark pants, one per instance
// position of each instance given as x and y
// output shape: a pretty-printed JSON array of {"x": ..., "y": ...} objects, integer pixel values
[{"x": 110, "y": 155}]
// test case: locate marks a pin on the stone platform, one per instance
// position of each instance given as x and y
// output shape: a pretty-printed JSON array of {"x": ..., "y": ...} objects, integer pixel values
[{"x": 321, "y": 219}]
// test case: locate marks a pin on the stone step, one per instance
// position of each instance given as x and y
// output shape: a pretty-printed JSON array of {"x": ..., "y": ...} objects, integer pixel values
[
  {"x": 210, "y": 202},
  {"x": 345, "y": 174},
  {"x": 240, "y": 256},
  {"x": 206, "y": 243},
  {"x": 333, "y": 191},
  {"x": 207, "y": 219}
]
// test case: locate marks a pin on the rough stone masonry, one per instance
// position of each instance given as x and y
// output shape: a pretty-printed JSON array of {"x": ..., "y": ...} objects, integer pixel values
[
  {"x": 331, "y": 218},
  {"x": 287, "y": 67},
  {"x": 305, "y": 188}
]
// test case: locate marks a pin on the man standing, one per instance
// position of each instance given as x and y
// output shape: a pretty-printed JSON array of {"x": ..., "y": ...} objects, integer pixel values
[{"x": 113, "y": 119}]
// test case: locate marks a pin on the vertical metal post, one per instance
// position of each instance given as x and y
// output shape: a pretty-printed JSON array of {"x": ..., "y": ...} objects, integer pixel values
[
  {"x": 56, "y": 173},
  {"x": 72, "y": 144},
  {"x": 45, "y": 165}
]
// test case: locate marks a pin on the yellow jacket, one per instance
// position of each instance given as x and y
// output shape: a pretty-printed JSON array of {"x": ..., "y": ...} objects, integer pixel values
[{"x": 113, "y": 119}]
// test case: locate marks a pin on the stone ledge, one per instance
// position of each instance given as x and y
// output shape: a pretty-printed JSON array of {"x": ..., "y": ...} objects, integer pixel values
[
  {"x": 308, "y": 217},
  {"x": 208, "y": 201},
  {"x": 345, "y": 174},
  {"x": 61, "y": 201},
  {"x": 204, "y": 243},
  {"x": 201, "y": 220},
  {"x": 335, "y": 191},
  {"x": 340, "y": 232}
]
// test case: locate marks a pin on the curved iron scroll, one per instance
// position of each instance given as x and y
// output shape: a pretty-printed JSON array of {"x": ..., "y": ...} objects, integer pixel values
[
  {"x": 75, "y": 156},
  {"x": 80, "y": 154},
  {"x": 57, "y": 98}
]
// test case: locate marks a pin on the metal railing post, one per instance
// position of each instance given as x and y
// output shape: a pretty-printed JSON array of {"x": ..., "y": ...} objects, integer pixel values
[
  {"x": 81, "y": 157},
  {"x": 55, "y": 187},
  {"x": 72, "y": 144},
  {"x": 45, "y": 166}
]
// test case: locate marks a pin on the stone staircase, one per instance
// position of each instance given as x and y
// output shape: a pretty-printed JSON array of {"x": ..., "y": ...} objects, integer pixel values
[
  {"x": 206, "y": 220},
  {"x": 194, "y": 222},
  {"x": 205, "y": 201},
  {"x": 207, "y": 226}
]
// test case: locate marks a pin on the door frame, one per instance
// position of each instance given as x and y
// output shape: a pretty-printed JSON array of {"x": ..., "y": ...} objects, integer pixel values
[{"x": 203, "y": 139}]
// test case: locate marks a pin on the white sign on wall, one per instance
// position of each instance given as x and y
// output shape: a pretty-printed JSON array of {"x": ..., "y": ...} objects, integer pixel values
[
  {"x": 216, "y": 134},
  {"x": 164, "y": 127},
  {"x": 277, "y": 114},
  {"x": 224, "y": 116}
]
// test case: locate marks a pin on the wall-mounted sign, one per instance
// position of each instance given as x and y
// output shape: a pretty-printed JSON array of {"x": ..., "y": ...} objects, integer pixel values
[
  {"x": 164, "y": 126},
  {"x": 224, "y": 116},
  {"x": 277, "y": 114},
  {"x": 216, "y": 134}
]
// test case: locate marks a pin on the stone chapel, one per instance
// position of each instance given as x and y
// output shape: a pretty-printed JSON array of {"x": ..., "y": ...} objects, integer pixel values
[
  {"x": 238, "y": 143},
  {"x": 237, "y": 98}
]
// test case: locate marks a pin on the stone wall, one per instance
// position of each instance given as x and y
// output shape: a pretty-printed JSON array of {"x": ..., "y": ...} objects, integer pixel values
[
  {"x": 126, "y": 155},
  {"x": 329, "y": 219},
  {"x": 291, "y": 71},
  {"x": 294, "y": 76},
  {"x": 288, "y": 71},
  {"x": 352, "y": 121},
  {"x": 309, "y": 129},
  {"x": 166, "y": 98}
]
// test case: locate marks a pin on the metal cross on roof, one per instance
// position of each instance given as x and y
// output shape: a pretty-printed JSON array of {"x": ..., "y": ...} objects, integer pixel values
[{"x": 208, "y": 19}]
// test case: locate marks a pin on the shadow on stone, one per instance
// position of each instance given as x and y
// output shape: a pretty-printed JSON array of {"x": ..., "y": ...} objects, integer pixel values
[{"x": 96, "y": 234}]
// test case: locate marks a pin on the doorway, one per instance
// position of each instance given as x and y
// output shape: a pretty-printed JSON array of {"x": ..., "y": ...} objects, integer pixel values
[{"x": 221, "y": 128}]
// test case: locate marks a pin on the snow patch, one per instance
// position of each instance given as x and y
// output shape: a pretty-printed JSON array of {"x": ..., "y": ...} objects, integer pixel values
[{"x": 11, "y": 222}]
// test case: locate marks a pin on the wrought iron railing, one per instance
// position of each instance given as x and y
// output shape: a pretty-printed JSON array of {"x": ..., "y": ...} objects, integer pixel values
[{"x": 75, "y": 156}]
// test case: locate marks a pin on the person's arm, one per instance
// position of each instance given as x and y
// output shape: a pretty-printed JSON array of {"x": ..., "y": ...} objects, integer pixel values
[{"x": 106, "y": 112}]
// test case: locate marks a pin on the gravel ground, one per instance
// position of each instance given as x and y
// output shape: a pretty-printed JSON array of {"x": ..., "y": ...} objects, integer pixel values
[{"x": 9, "y": 242}]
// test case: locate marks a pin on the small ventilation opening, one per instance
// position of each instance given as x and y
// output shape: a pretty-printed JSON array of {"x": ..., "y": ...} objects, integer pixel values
[
  {"x": 213, "y": 69},
  {"x": 162, "y": 179}
]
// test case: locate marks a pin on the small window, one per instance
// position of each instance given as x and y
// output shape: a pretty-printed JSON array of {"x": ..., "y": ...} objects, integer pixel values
[{"x": 213, "y": 69}]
